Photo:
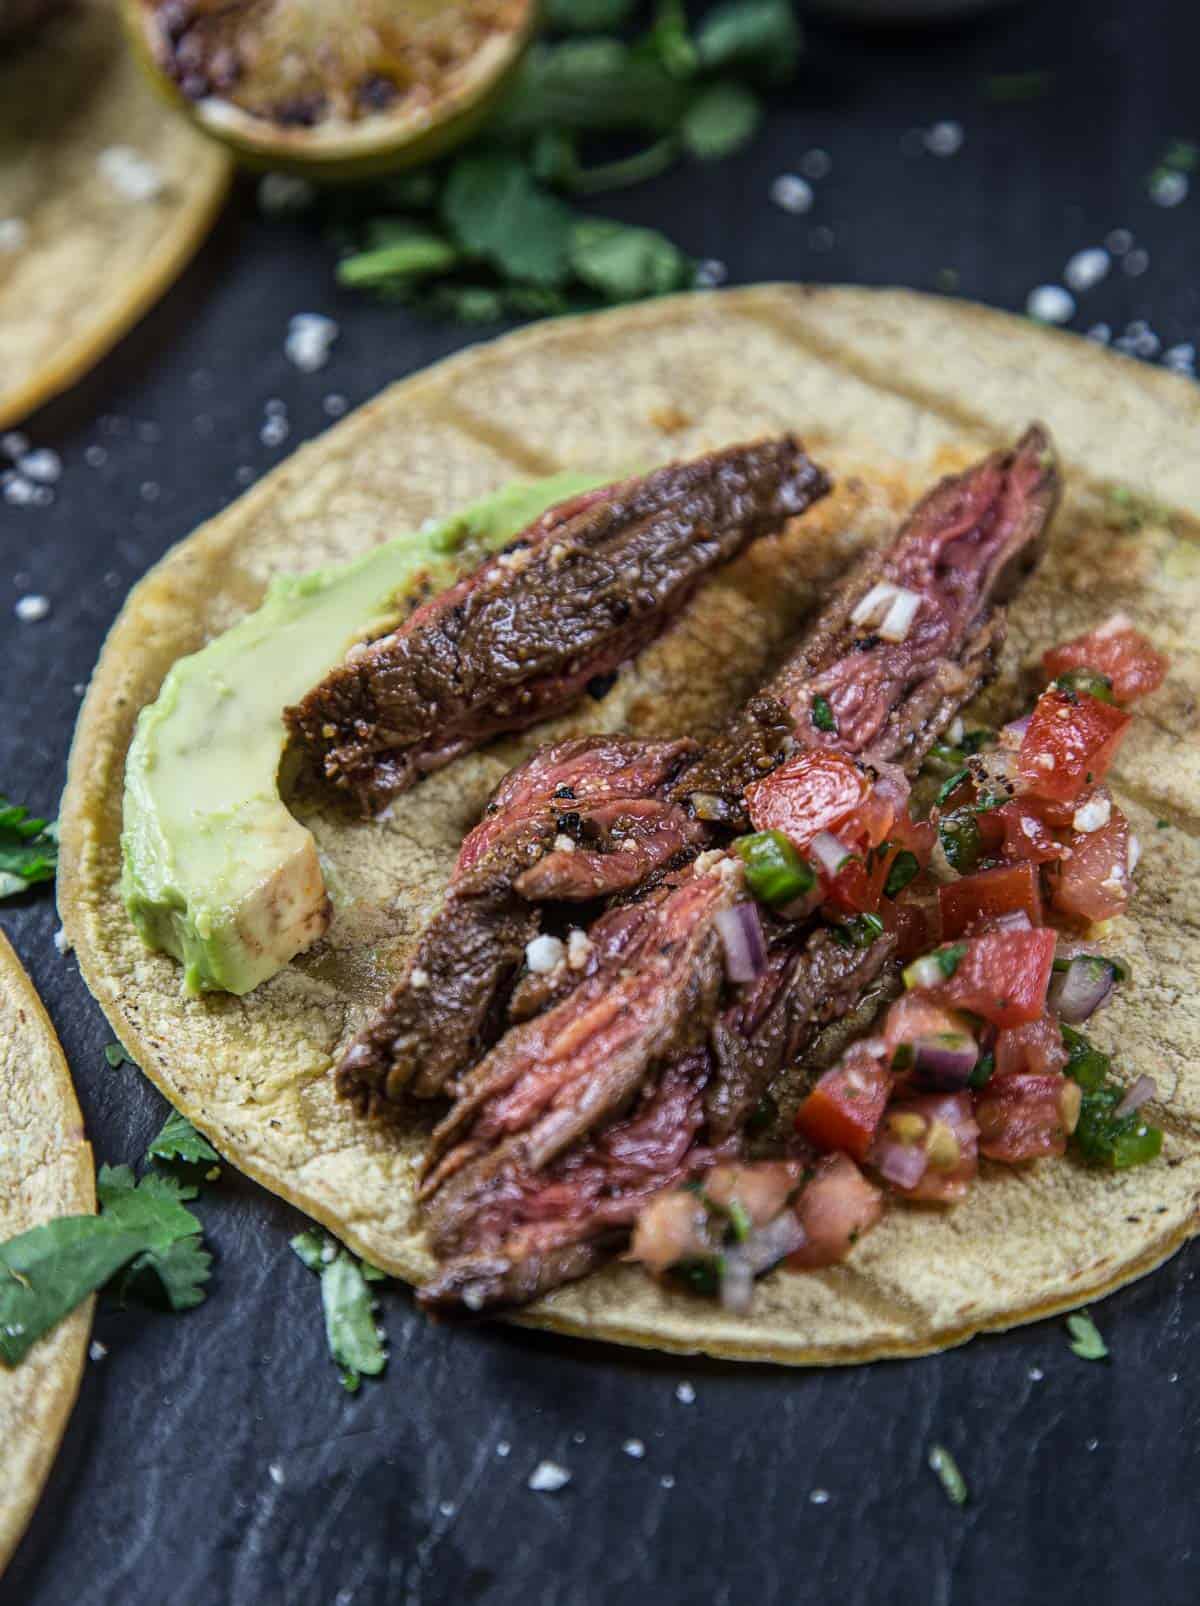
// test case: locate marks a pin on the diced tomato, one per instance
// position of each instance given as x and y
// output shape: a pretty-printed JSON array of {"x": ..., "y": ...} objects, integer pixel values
[
  {"x": 1002, "y": 976},
  {"x": 970, "y": 903},
  {"x": 1036, "y": 1047},
  {"x": 672, "y": 1227},
  {"x": 1117, "y": 650},
  {"x": 951, "y": 1142},
  {"x": 914, "y": 1016},
  {"x": 913, "y": 920},
  {"x": 1026, "y": 834},
  {"x": 1024, "y": 1117},
  {"x": 858, "y": 888},
  {"x": 835, "y": 1209},
  {"x": 1070, "y": 741},
  {"x": 846, "y": 1105},
  {"x": 818, "y": 790},
  {"x": 762, "y": 1188},
  {"x": 1095, "y": 883}
]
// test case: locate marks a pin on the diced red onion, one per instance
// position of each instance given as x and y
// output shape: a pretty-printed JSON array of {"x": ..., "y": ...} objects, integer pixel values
[
  {"x": 901, "y": 1163},
  {"x": 741, "y": 934},
  {"x": 1077, "y": 993},
  {"x": 944, "y": 1063},
  {"x": 800, "y": 908},
  {"x": 767, "y": 1246},
  {"x": 1142, "y": 1091},
  {"x": 1014, "y": 920},
  {"x": 737, "y": 1282},
  {"x": 1013, "y": 734},
  {"x": 829, "y": 853},
  {"x": 889, "y": 607}
]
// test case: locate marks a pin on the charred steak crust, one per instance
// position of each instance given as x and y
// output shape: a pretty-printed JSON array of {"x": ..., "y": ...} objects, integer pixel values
[
  {"x": 571, "y": 599},
  {"x": 510, "y": 1219}
]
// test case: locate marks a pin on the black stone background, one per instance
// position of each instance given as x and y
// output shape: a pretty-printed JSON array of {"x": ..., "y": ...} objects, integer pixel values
[{"x": 1082, "y": 1476}]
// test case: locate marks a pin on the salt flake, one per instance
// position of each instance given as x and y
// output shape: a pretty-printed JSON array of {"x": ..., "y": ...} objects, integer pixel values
[{"x": 548, "y": 1477}]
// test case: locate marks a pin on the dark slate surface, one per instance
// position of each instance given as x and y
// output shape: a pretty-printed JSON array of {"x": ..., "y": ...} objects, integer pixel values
[{"x": 1082, "y": 1476}]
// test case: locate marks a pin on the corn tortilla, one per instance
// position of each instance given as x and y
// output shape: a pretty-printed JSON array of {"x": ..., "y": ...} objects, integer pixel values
[
  {"x": 889, "y": 390},
  {"x": 91, "y": 260},
  {"x": 45, "y": 1171}
]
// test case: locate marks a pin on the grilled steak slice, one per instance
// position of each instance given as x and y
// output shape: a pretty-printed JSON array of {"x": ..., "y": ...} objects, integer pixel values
[
  {"x": 447, "y": 1008},
  {"x": 535, "y": 1230},
  {"x": 528, "y": 1230},
  {"x": 811, "y": 980},
  {"x": 555, "y": 1079},
  {"x": 572, "y": 598},
  {"x": 962, "y": 550}
]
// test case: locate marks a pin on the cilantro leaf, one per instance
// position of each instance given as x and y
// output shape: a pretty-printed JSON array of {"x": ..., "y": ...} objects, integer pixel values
[
  {"x": 588, "y": 16},
  {"x": 623, "y": 262},
  {"x": 720, "y": 121},
  {"x": 143, "y": 1228},
  {"x": 179, "y": 1140},
  {"x": 496, "y": 212},
  {"x": 1085, "y": 1338},
  {"x": 417, "y": 254},
  {"x": 589, "y": 85},
  {"x": 759, "y": 37},
  {"x": 350, "y": 1330},
  {"x": 117, "y": 1055},
  {"x": 28, "y": 849},
  {"x": 671, "y": 40}
]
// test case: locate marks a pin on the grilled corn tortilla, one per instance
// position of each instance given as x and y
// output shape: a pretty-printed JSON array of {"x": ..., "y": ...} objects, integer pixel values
[
  {"x": 889, "y": 390},
  {"x": 80, "y": 261},
  {"x": 45, "y": 1171}
]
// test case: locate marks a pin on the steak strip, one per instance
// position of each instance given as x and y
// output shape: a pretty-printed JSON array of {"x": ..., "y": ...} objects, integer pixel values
[
  {"x": 576, "y": 595},
  {"x": 491, "y": 1204}
]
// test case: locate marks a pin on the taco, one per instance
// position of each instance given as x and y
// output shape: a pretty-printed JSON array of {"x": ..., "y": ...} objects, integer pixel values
[
  {"x": 45, "y": 1172},
  {"x": 890, "y": 392},
  {"x": 104, "y": 196}
]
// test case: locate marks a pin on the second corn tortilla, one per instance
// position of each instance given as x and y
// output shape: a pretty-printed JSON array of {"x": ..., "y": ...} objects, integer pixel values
[
  {"x": 81, "y": 261},
  {"x": 45, "y": 1172},
  {"x": 889, "y": 390}
]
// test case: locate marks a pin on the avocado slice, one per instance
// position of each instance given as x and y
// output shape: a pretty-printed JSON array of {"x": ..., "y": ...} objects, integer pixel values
[{"x": 216, "y": 870}]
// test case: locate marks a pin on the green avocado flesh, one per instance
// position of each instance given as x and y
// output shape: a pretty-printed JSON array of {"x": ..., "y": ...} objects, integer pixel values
[{"x": 216, "y": 870}]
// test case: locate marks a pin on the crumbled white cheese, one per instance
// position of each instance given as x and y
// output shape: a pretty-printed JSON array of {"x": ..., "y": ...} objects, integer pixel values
[
  {"x": 548, "y": 1477},
  {"x": 685, "y": 1393},
  {"x": 1086, "y": 268},
  {"x": 1093, "y": 814},
  {"x": 544, "y": 953},
  {"x": 792, "y": 193},
  {"x": 61, "y": 941},
  {"x": 130, "y": 173},
  {"x": 945, "y": 139},
  {"x": 14, "y": 233},
  {"x": 1050, "y": 303},
  {"x": 956, "y": 732},
  {"x": 563, "y": 843},
  {"x": 634, "y": 1448},
  {"x": 579, "y": 948},
  {"x": 96, "y": 1350},
  {"x": 309, "y": 338},
  {"x": 418, "y": 979},
  {"x": 707, "y": 860},
  {"x": 32, "y": 608}
]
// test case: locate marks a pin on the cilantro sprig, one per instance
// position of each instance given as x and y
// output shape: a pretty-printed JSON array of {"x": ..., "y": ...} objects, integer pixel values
[
  {"x": 144, "y": 1243},
  {"x": 350, "y": 1326},
  {"x": 491, "y": 233},
  {"x": 28, "y": 849}
]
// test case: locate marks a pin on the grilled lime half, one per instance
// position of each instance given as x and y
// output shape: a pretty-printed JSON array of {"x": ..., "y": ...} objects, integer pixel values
[{"x": 333, "y": 88}]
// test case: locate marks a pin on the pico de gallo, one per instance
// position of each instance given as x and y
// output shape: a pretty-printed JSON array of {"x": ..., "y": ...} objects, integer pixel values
[{"x": 987, "y": 902}]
